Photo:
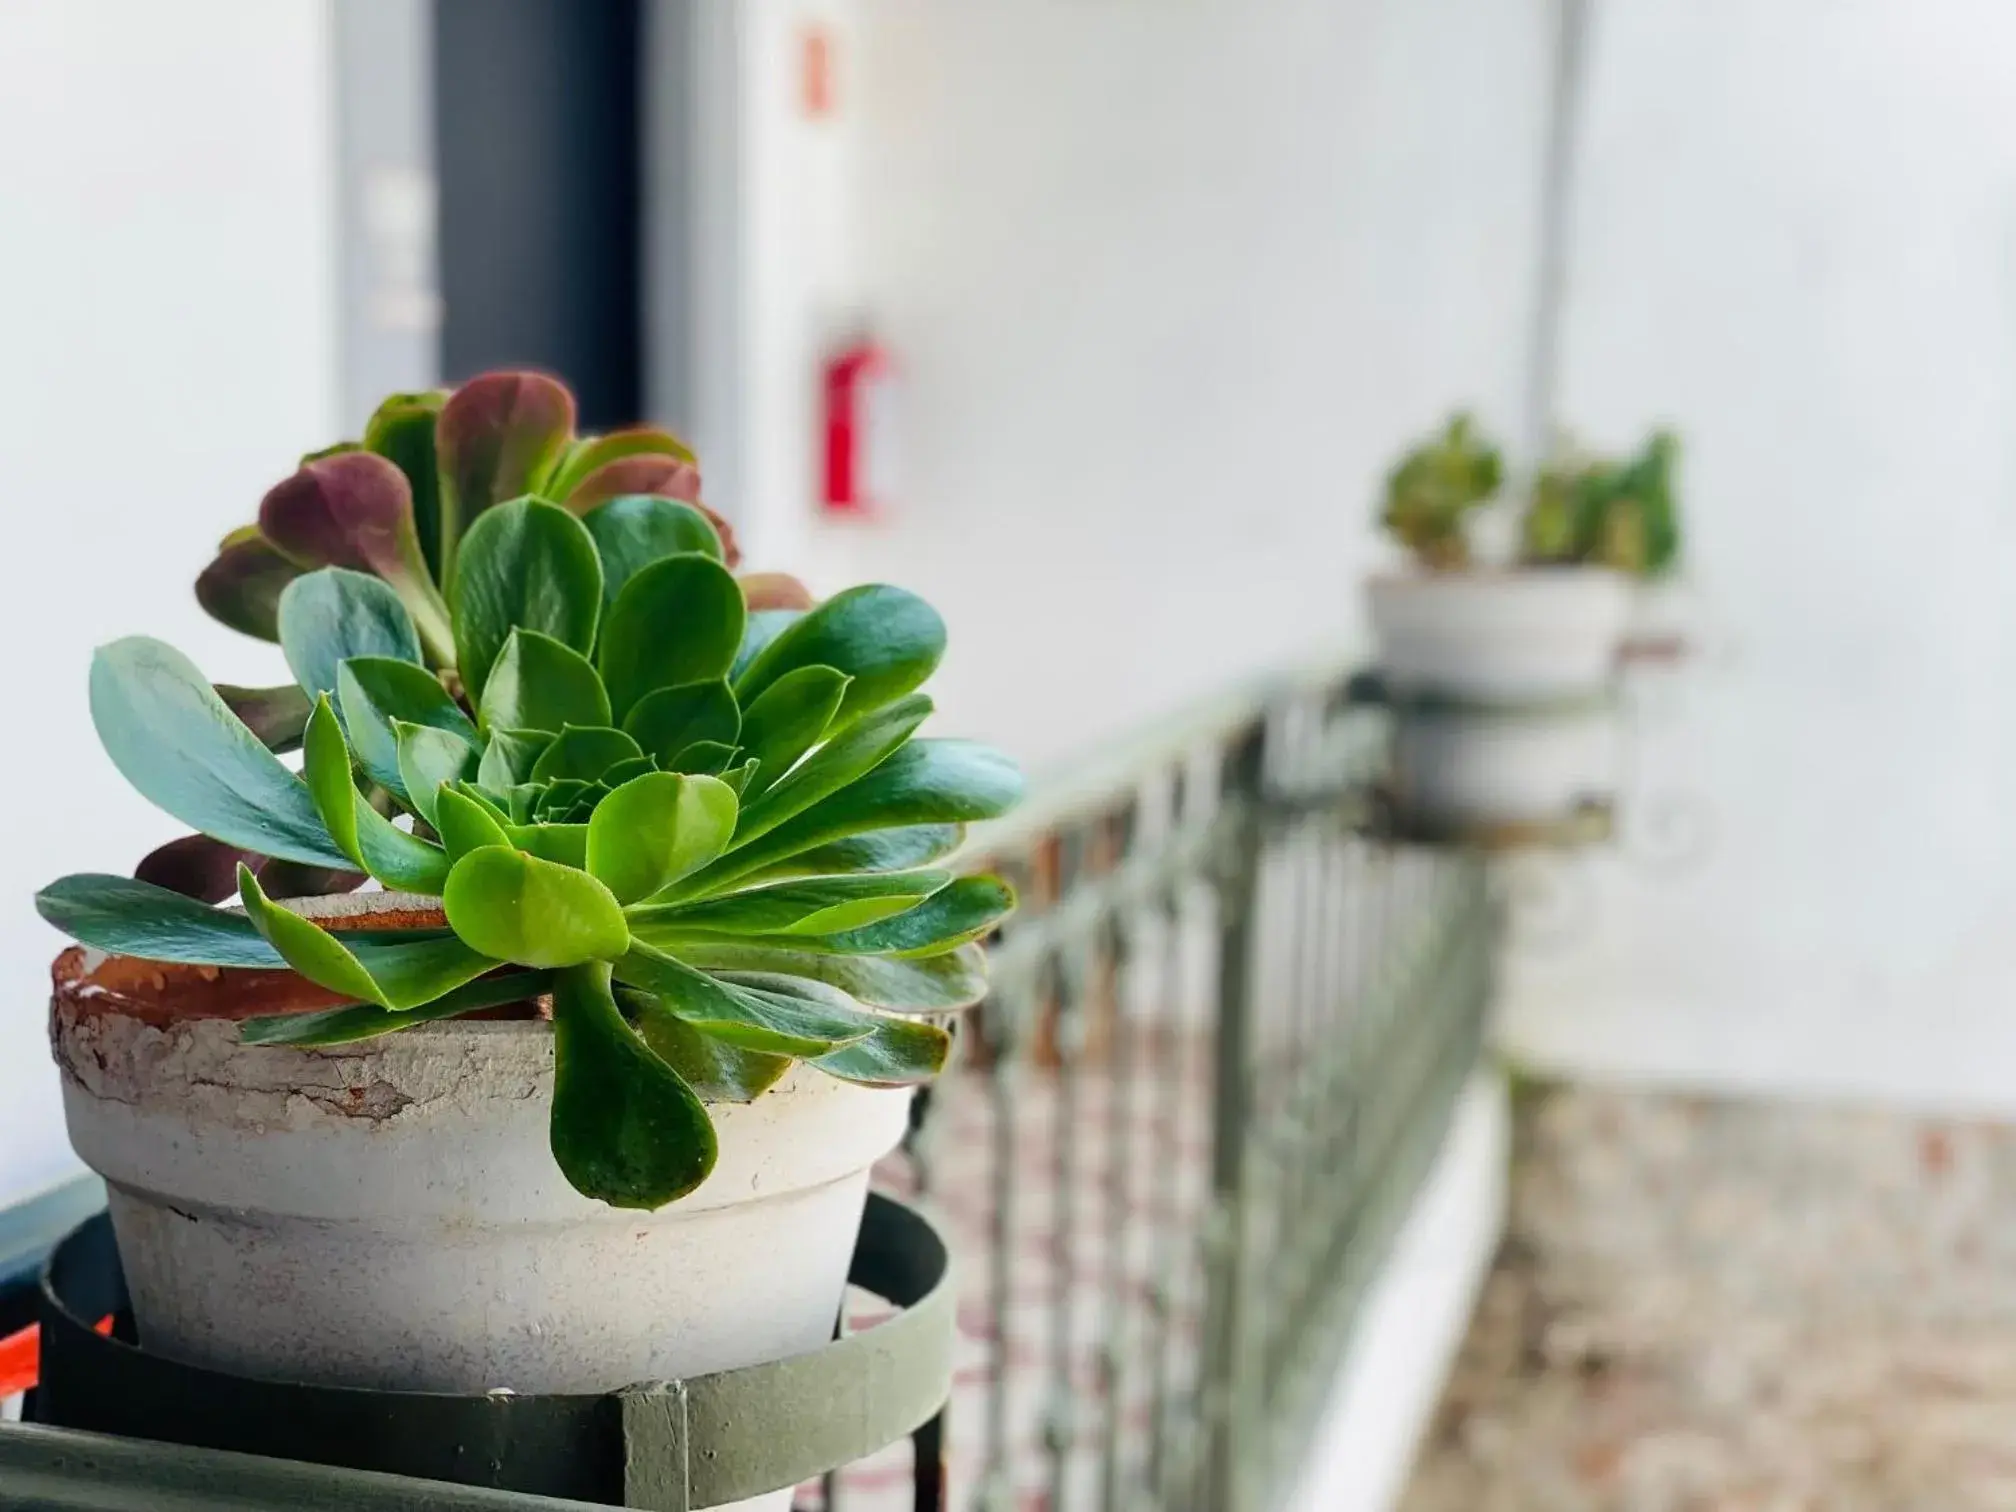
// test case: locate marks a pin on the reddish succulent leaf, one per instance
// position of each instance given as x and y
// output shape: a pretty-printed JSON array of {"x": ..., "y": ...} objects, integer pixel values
[
  {"x": 241, "y": 588},
  {"x": 198, "y": 867},
  {"x": 596, "y": 452},
  {"x": 774, "y": 590},
  {"x": 195, "y": 866},
  {"x": 662, "y": 474},
  {"x": 498, "y": 437},
  {"x": 354, "y": 510},
  {"x": 658, "y": 473},
  {"x": 291, "y": 879},
  {"x": 276, "y": 715}
]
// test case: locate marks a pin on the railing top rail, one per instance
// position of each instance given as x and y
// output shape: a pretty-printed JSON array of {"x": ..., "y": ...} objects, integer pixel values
[{"x": 1085, "y": 786}]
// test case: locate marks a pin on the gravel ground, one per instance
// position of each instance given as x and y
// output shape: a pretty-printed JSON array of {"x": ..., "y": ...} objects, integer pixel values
[{"x": 1714, "y": 1305}]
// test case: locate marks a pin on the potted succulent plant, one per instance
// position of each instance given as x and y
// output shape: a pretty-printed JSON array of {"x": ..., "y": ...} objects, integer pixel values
[
  {"x": 587, "y": 1090},
  {"x": 1504, "y": 671}
]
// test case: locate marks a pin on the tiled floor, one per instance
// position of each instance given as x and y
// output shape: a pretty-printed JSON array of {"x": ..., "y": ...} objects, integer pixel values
[{"x": 1726, "y": 1306}]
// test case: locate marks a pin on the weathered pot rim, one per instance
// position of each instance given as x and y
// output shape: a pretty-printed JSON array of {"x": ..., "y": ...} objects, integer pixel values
[{"x": 88, "y": 983}]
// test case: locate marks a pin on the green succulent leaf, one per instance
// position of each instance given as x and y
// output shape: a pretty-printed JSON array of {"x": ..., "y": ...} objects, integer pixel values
[
  {"x": 626, "y": 770},
  {"x": 564, "y": 844},
  {"x": 948, "y": 919},
  {"x": 373, "y": 843},
  {"x": 746, "y": 1017},
  {"x": 183, "y": 750},
  {"x": 132, "y": 918},
  {"x": 886, "y": 639},
  {"x": 716, "y": 1070},
  {"x": 885, "y": 850},
  {"x": 532, "y": 912},
  {"x": 894, "y": 1053},
  {"x": 401, "y": 430},
  {"x": 668, "y": 721},
  {"x": 583, "y": 753},
  {"x": 633, "y": 532},
  {"x": 525, "y": 565},
  {"x": 710, "y": 758},
  {"x": 931, "y": 984},
  {"x": 242, "y": 587},
  {"x": 429, "y": 758},
  {"x": 926, "y": 782},
  {"x": 817, "y": 906},
  {"x": 844, "y": 759},
  {"x": 355, "y": 510},
  {"x": 498, "y": 438},
  {"x": 558, "y": 797},
  {"x": 332, "y": 615},
  {"x": 276, "y": 715},
  {"x": 626, "y": 1129},
  {"x": 655, "y": 829},
  {"x": 763, "y": 627},
  {"x": 377, "y": 693},
  {"x": 539, "y": 683},
  {"x": 677, "y": 621},
  {"x": 394, "y": 976},
  {"x": 509, "y": 758},
  {"x": 900, "y": 1053},
  {"x": 464, "y": 824},
  {"x": 361, "y": 1021},
  {"x": 787, "y": 719}
]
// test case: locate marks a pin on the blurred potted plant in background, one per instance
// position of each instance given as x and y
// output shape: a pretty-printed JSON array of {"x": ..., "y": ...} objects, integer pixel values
[
  {"x": 660, "y": 953},
  {"x": 1503, "y": 672}
]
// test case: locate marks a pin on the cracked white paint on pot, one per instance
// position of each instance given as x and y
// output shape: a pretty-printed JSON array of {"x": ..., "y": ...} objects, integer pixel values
[{"x": 387, "y": 1213}]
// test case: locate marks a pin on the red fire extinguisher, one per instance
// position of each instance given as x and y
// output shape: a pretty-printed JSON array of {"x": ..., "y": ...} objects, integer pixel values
[{"x": 859, "y": 388}]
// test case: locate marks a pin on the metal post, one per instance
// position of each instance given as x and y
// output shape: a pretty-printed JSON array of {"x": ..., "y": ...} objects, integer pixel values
[{"x": 1224, "y": 1393}]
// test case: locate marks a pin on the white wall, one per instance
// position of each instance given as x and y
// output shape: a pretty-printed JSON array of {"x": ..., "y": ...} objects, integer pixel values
[
  {"x": 1796, "y": 235},
  {"x": 1169, "y": 280},
  {"x": 166, "y": 315}
]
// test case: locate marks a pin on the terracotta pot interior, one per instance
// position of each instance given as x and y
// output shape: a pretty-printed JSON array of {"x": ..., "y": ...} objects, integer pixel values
[{"x": 158, "y": 992}]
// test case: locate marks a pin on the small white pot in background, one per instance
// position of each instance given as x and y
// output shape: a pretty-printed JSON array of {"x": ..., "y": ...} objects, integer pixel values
[
  {"x": 1501, "y": 637},
  {"x": 387, "y": 1213},
  {"x": 1458, "y": 768}
]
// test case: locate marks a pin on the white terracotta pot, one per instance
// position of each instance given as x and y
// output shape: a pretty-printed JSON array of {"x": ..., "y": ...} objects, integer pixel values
[
  {"x": 1487, "y": 767},
  {"x": 1501, "y": 637},
  {"x": 387, "y": 1213}
]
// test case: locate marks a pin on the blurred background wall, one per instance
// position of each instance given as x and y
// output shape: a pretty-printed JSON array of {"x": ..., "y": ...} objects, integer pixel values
[
  {"x": 1169, "y": 281},
  {"x": 1795, "y": 236},
  {"x": 167, "y": 349}
]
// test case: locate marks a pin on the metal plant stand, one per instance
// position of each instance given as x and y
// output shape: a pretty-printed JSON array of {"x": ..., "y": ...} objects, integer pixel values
[{"x": 668, "y": 1446}]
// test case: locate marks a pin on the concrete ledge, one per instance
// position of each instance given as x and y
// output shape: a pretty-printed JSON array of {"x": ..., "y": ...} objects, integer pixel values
[{"x": 1415, "y": 1316}]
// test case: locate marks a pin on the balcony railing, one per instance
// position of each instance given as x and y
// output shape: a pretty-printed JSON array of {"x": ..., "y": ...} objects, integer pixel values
[
  {"x": 1226, "y": 1033},
  {"x": 1227, "y": 1029}
]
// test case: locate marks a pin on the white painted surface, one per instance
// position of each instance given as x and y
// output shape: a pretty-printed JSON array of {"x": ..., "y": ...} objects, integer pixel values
[
  {"x": 1169, "y": 282},
  {"x": 772, "y": 244},
  {"x": 166, "y": 293},
  {"x": 1794, "y": 238},
  {"x": 1414, "y": 1317}
]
